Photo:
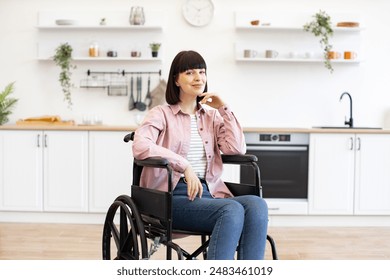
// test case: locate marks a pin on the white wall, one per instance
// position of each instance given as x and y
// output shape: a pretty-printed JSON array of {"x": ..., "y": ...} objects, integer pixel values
[{"x": 266, "y": 95}]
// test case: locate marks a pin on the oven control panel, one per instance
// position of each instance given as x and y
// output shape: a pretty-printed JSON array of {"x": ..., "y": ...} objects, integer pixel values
[
  {"x": 275, "y": 137},
  {"x": 253, "y": 138}
]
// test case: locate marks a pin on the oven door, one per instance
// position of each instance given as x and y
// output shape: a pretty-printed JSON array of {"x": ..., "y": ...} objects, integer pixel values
[{"x": 283, "y": 170}]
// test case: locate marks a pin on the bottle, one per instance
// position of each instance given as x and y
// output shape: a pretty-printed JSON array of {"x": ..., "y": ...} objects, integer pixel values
[{"x": 94, "y": 50}]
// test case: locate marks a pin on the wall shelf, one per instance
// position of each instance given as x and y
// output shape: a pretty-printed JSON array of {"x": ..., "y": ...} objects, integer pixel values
[
  {"x": 303, "y": 60},
  {"x": 108, "y": 59},
  {"x": 116, "y": 34},
  {"x": 101, "y": 27},
  {"x": 284, "y": 34}
]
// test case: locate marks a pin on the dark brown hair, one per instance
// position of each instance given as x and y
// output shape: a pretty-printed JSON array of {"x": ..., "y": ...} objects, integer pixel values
[{"x": 182, "y": 62}]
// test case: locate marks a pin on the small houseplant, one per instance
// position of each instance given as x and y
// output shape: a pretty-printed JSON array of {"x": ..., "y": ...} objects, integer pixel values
[
  {"x": 6, "y": 103},
  {"x": 155, "y": 48},
  {"x": 321, "y": 27},
  {"x": 63, "y": 59}
]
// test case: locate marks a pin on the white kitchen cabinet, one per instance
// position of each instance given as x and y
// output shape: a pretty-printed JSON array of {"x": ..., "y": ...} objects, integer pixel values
[
  {"x": 331, "y": 174},
  {"x": 372, "y": 180},
  {"x": 21, "y": 170},
  {"x": 65, "y": 171},
  {"x": 44, "y": 171},
  {"x": 347, "y": 174},
  {"x": 110, "y": 168}
]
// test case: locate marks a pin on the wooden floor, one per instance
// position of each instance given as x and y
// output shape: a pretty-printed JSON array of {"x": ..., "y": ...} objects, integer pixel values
[{"x": 78, "y": 242}]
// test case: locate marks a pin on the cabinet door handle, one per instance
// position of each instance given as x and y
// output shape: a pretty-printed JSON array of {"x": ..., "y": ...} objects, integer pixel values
[
  {"x": 45, "y": 140},
  {"x": 351, "y": 143},
  {"x": 358, "y": 144},
  {"x": 38, "y": 141}
]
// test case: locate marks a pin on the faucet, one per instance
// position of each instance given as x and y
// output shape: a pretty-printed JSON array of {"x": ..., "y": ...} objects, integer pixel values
[{"x": 350, "y": 122}]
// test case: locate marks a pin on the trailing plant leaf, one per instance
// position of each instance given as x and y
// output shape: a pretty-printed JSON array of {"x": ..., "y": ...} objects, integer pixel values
[
  {"x": 6, "y": 103},
  {"x": 321, "y": 27},
  {"x": 63, "y": 59}
]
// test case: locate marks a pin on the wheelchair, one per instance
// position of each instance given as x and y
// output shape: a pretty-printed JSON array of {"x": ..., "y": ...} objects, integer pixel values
[{"x": 147, "y": 215}]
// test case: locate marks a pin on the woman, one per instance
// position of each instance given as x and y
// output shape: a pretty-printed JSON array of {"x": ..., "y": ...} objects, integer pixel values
[{"x": 191, "y": 131}]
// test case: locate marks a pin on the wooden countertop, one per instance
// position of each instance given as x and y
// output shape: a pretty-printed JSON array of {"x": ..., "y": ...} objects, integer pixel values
[
  {"x": 246, "y": 129},
  {"x": 316, "y": 130},
  {"x": 69, "y": 127}
]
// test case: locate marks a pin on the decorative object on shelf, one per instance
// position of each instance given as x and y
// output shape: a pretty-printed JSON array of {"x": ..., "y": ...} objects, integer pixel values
[
  {"x": 103, "y": 21},
  {"x": 6, "y": 103},
  {"x": 94, "y": 49},
  {"x": 137, "y": 16},
  {"x": 155, "y": 48},
  {"x": 112, "y": 53},
  {"x": 63, "y": 59},
  {"x": 255, "y": 22},
  {"x": 347, "y": 24},
  {"x": 198, "y": 12},
  {"x": 321, "y": 27},
  {"x": 66, "y": 22}
]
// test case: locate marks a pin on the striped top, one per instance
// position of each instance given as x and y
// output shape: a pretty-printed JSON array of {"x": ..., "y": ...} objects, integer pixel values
[{"x": 197, "y": 155}]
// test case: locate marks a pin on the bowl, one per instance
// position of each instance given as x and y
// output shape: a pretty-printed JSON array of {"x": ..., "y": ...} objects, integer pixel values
[
  {"x": 65, "y": 22},
  {"x": 255, "y": 22}
]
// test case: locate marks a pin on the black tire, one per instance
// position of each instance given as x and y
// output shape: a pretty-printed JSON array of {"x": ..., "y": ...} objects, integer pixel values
[{"x": 129, "y": 236}]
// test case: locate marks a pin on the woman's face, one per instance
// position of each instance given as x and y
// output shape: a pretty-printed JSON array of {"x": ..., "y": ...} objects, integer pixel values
[{"x": 192, "y": 82}]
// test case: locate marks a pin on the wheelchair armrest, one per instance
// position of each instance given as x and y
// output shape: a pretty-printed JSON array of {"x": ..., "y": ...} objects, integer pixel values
[
  {"x": 239, "y": 159},
  {"x": 153, "y": 162}
]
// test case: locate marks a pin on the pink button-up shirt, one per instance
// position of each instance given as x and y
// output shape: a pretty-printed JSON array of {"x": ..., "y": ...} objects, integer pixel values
[{"x": 166, "y": 132}]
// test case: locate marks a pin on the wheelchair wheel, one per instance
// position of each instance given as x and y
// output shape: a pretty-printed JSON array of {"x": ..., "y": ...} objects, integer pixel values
[{"x": 128, "y": 236}]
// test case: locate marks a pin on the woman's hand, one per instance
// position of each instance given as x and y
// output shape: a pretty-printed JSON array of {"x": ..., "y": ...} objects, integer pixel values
[
  {"x": 212, "y": 99},
  {"x": 194, "y": 186}
]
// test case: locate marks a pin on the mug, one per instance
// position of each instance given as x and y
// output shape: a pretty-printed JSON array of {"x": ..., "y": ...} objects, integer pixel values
[
  {"x": 135, "y": 54},
  {"x": 250, "y": 53},
  {"x": 350, "y": 55},
  {"x": 334, "y": 55},
  {"x": 292, "y": 55},
  {"x": 271, "y": 54}
]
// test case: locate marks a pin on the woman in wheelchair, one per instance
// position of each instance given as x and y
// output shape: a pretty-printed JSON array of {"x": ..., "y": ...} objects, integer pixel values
[{"x": 191, "y": 131}]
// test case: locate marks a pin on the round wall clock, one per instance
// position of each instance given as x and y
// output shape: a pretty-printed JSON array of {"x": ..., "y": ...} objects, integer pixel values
[{"x": 198, "y": 12}]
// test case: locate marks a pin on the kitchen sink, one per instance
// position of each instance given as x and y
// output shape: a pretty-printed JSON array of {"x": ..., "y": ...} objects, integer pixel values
[{"x": 346, "y": 127}]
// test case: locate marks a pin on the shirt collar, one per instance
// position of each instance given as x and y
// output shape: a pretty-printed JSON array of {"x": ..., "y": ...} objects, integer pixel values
[{"x": 176, "y": 108}]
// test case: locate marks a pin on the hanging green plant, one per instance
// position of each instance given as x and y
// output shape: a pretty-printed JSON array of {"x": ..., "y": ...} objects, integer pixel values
[
  {"x": 321, "y": 27},
  {"x": 6, "y": 103},
  {"x": 63, "y": 59}
]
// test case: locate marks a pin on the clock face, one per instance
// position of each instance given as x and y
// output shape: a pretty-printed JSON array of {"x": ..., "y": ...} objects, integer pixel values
[{"x": 198, "y": 12}]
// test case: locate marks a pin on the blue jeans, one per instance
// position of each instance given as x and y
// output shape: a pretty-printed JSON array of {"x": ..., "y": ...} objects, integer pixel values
[{"x": 239, "y": 221}]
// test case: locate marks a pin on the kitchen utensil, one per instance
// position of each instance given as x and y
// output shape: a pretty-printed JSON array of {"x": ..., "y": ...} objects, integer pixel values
[
  {"x": 148, "y": 97},
  {"x": 131, "y": 99},
  {"x": 139, "y": 104}
]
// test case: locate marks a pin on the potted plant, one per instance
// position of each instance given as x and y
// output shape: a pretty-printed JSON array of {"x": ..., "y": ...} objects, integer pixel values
[
  {"x": 321, "y": 27},
  {"x": 63, "y": 59},
  {"x": 155, "y": 48},
  {"x": 6, "y": 103}
]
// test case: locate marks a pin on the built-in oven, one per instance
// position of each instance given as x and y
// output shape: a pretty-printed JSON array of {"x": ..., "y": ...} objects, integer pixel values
[{"x": 283, "y": 160}]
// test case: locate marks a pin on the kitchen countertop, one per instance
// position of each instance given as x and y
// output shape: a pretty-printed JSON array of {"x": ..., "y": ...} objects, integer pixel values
[{"x": 246, "y": 129}]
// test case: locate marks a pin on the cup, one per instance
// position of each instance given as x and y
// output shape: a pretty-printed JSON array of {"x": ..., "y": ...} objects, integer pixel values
[
  {"x": 350, "y": 55},
  {"x": 135, "y": 54},
  {"x": 292, "y": 55},
  {"x": 334, "y": 55},
  {"x": 250, "y": 53},
  {"x": 271, "y": 54},
  {"x": 309, "y": 55}
]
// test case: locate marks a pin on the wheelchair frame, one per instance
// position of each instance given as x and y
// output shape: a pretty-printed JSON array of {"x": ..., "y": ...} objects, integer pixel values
[{"x": 147, "y": 214}]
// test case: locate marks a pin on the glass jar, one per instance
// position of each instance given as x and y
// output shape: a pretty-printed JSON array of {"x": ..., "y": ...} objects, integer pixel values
[
  {"x": 94, "y": 50},
  {"x": 137, "y": 16}
]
